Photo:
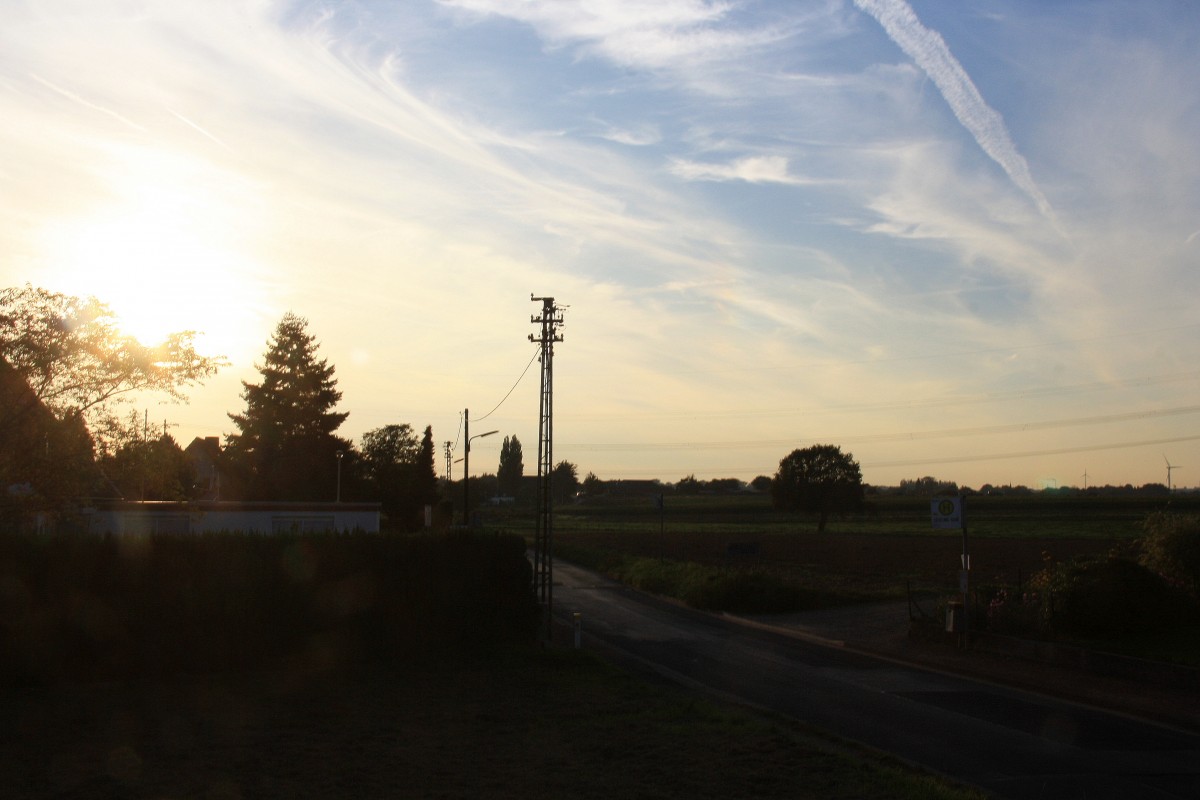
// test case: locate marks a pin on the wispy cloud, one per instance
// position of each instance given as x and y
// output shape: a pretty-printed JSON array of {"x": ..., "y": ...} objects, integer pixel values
[
  {"x": 752, "y": 169},
  {"x": 929, "y": 50},
  {"x": 673, "y": 34},
  {"x": 87, "y": 103}
]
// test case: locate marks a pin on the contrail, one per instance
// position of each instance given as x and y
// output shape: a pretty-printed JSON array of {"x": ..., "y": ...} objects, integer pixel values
[
  {"x": 72, "y": 96},
  {"x": 932, "y": 55},
  {"x": 198, "y": 129}
]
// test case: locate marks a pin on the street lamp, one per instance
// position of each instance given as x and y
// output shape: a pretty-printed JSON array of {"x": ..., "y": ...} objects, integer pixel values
[
  {"x": 339, "y": 474},
  {"x": 467, "y": 467}
]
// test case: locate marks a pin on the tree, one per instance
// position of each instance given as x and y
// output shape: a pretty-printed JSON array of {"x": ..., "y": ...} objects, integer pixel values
[
  {"x": 564, "y": 481},
  {"x": 144, "y": 463},
  {"x": 593, "y": 485},
  {"x": 73, "y": 358},
  {"x": 426, "y": 477},
  {"x": 287, "y": 449},
  {"x": 389, "y": 457},
  {"x": 511, "y": 467},
  {"x": 761, "y": 483},
  {"x": 45, "y": 462},
  {"x": 820, "y": 479},
  {"x": 927, "y": 486}
]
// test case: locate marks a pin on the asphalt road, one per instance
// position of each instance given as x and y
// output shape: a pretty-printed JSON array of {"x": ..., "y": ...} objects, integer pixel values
[{"x": 1007, "y": 742}]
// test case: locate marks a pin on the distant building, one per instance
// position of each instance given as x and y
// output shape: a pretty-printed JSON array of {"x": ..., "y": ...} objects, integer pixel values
[
  {"x": 184, "y": 518},
  {"x": 204, "y": 455}
]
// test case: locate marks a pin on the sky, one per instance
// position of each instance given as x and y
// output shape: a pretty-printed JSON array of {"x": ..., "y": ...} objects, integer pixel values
[{"x": 958, "y": 240}]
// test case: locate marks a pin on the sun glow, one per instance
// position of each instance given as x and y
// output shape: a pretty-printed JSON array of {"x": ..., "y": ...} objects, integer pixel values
[{"x": 164, "y": 258}]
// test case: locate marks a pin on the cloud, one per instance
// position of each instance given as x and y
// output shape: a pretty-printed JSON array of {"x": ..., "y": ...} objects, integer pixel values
[
  {"x": 752, "y": 169},
  {"x": 636, "y": 34},
  {"x": 640, "y": 136},
  {"x": 932, "y": 55}
]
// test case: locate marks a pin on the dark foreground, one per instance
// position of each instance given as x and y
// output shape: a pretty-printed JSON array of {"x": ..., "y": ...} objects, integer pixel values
[{"x": 554, "y": 723}]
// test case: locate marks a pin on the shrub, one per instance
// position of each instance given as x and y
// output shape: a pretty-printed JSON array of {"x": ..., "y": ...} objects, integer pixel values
[
  {"x": 743, "y": 592},
  {"x": 1012, "y": 614},
  {"x": 1170, "y": 546},
  {"x": 1107, "y": 597}
]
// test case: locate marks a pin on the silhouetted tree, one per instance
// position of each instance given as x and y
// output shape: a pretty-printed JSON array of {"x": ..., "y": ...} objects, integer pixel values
[
  {"x": 927, "y": 486},
  {"x": 820, "y": 479},
  {"x": 73, "y": 358},
  {"x": 46, "y": 463},
  {"x": 144, "y": 463},
  {"x": 511, "y": 467},
  {"x": 389, "y": 459},
  {"x": 426, "y": 477},
  {"x": 593, "y": 485},
  {"x": 761, "y": 483},
  {"x": 400, "y": 471},
  {"x": 564, "y": 481},
  {"x": 287, "y": 449},
  {"x": 64, "y": 359}
]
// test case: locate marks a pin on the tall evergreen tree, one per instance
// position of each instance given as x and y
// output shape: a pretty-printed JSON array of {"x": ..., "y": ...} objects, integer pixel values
[
  {"x": 287, "y": 449},
  {"x": 508, "y": 475},
  {"x": 426, "y": 478}
]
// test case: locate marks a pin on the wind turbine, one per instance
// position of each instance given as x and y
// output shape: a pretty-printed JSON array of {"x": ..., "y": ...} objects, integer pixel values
[
  {"x": 1170, "y": 467},
  {"x": 1085, "y": 477}
]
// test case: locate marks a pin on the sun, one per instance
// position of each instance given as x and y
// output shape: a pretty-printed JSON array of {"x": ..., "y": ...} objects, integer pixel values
[{"x": 164, "y": 257}]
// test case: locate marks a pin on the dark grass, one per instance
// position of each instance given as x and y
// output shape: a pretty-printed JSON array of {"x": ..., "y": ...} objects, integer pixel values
[{"x": 529, "y": 723}]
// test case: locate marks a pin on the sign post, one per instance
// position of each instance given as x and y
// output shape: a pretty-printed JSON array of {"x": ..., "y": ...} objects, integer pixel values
[{"x": 950, "y": 512}]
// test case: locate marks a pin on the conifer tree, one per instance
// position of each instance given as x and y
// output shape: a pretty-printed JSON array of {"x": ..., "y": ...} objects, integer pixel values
[
  {"x": 287, "y": 449},
  {"x": 427, "y": 485}
]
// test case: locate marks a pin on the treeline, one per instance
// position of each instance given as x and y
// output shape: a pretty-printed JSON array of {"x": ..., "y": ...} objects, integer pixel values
[{"x": 64, "y": 362}]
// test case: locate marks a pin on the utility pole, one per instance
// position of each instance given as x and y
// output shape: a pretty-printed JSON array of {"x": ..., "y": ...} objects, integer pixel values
[
  {"x": 467, "y": 466},
  {"x": 466, "y": 470},
  {"x": 543, "y": 570},
  {"x": 449, "y": 462}
]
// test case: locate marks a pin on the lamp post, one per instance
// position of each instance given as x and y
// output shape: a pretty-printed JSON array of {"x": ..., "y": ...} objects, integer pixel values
[
  {"x": 467, "y": 467},
  {"x": 339, "y": 475}
]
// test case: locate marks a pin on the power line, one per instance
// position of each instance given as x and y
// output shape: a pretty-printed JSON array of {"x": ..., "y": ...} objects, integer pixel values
[
  {"x": 514, "y": 386},
  {"x": 944, "y": 433},
  {"x": 1030, "y": 453},
  {"x": 941, "y": 459},
  {"x": 931, "y": 402}
]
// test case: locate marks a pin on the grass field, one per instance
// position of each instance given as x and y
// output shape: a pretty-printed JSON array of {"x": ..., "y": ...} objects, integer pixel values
[
  {"x": 878, "y": 554},
  {"x": 1043, "y": 517},
  {"x": 540, "y": 723}
]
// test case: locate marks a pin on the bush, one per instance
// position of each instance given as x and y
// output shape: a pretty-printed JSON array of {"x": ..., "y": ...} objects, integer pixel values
[
  {"x": 743, "y": 592},
  {"x": 1170, "y": 546},
  {"x": 1011, "y": 614},
  {"x": 714, "y": 589},
  {"x": 1107, "y": 597}
]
